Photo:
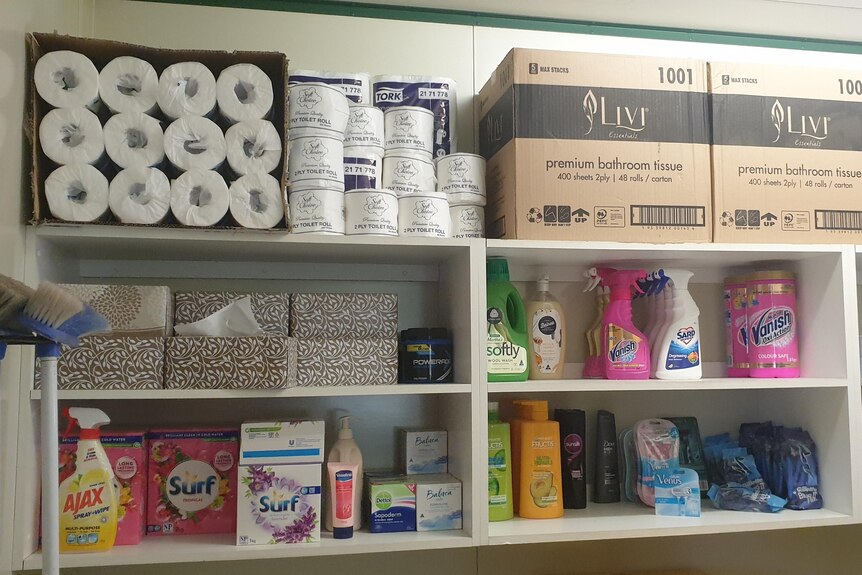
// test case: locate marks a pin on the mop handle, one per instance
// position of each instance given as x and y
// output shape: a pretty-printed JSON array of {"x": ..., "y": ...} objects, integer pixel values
[{"x": 48, "y": 354}]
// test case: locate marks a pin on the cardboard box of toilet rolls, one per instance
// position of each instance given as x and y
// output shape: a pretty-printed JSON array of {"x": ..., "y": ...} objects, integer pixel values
[
  {"x": 787, "y": 154},
  {"x": 101, "y": 52},
  {"x": 596, "y": 147}
]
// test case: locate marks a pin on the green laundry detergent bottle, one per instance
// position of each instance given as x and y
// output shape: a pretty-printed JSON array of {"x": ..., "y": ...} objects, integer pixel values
[{"x": 507, "y": 326}]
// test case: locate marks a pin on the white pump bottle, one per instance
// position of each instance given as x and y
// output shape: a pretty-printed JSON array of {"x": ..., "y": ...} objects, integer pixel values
[
  {"x": 345, "y": 450},
  {"x": 679, "y": 349}
]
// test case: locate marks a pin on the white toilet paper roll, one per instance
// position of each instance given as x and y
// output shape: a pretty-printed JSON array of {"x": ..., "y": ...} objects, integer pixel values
[
  {"x": 467, "y": 221},
  {"x": 129, "y": 84},
  {"x": 77, "y": 193},
  {"x": 195, "y": 143},
  {"x": 67, "y": 79},
  {"x": 317, "y": 109},
  {"x": 317, "y": 212},
  {"x": 199, "y": 198},
  {"x": 407, "y": 174},
  {"x": 316, "y": 162},
  {"x": 253, "y": 146},
  {"x": 371, "y": 213},
  {"x": 424, "y": 215},
  {"x": 72, "y": 136},
  {"x": 187, "y": 89},
  {"x": 256, "y": 201},
  {"x": 461, "y": 174},
  {"x": 364, "y": 128},
  {"x": 134, "y": 140},
  {"x": 356, "y": 86},
  {"x": 140, "y": 196},
  {"x": 243, "y": 92},
  {"x": 409, "y": 128}
]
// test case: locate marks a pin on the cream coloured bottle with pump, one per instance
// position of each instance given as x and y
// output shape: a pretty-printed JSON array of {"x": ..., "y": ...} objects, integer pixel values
[{"x": 547, "y": 333}]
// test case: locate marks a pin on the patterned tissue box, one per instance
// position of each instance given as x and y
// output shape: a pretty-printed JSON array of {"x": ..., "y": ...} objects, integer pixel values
[
  {"x": 344, "y": 316},
  {"x": 106, "y": 362},
  {"x": 271, "y": 310},
  {"x": 132, "y": 311},
  {"x": 337, "y": 362},
  {"x": 265, "y": 362}
]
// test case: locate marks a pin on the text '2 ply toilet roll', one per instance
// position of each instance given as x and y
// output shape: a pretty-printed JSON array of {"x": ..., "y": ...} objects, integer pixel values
[
  {"x": 72, "y": 136},
  {"x": 134, "y": 140},
  {"x": 140, "y": 196},
  {"x": 67, "y": 79},
  {"x": 316, "y": 162},
  {"x": 256, "y": 201},
  {"x": 199, "y": 198},
  {"x": 77, "y": 193},
  {"x": 187, "y": 89},
  {"x": 253, "y": 146},
  {"x": 244, "y": 92},
  {"x": 129, "y": 84},
  {"x": 195, "y": 143},
  {"x": 317, "y": 108},
  {"x": 356, "y": 86}
]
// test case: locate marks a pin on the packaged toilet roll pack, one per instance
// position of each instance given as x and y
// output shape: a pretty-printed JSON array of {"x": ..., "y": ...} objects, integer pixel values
[{"x": 150, "y": 136}]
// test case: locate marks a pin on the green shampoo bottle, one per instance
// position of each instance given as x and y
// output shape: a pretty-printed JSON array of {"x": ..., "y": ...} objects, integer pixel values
[
  {"x": 508, "y": 339},
  {"x": 500, "y": 504}
]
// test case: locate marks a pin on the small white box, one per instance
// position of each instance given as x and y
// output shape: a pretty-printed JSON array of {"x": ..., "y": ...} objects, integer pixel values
[
  {"x": 438, "y": 502},
  {"x": 281, "y": 442},
  {"x": 278, "y": 504},
  {"x": 424, "y": 451}
]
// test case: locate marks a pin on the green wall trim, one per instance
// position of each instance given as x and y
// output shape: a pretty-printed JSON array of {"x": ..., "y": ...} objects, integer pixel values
[{"x": 490, "y": 20}]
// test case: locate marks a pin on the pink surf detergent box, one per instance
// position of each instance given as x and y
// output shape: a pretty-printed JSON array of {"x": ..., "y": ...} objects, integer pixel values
[
  {"x": 192, "y": 481},
  {"x": 127, "y": 452}
]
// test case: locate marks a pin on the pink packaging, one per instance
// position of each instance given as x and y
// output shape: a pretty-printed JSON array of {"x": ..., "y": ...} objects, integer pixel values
[
  {"x": 736, "y": 326},
  {"x": 773, "y": 345},
  {"x": 127, "y": 453},
  {"x": 192, "y": 481}
]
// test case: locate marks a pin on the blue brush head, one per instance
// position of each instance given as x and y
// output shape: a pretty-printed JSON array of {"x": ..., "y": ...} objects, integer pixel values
[{"x": 86, "y": 322}]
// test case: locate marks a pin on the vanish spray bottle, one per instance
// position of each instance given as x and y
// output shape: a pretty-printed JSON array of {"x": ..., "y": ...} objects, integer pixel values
[{"x": 625, "y": 350}]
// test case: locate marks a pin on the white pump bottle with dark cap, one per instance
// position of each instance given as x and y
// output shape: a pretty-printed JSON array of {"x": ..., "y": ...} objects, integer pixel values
[{"x": 345, "y": 450}]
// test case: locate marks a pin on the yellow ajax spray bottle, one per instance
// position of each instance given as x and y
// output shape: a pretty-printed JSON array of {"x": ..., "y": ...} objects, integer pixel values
[{"x": 88, "y": 498}]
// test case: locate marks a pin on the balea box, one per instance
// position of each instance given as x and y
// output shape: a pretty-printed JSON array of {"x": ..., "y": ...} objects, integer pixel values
[
  {"x": 786, "y": 159},
  {"x": 596, "y": 147}
]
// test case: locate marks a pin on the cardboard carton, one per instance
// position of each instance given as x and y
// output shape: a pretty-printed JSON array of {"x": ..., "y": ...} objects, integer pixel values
[
  {"x": 596, "y": 147},
  {"x": 786, "y": 157}
]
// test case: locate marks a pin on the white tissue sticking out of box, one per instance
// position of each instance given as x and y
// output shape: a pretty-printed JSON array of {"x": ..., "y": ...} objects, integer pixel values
[{"x": 234, "y": 320}]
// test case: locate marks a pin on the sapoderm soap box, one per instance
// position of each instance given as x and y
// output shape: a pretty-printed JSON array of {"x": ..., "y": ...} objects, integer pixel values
[
  {"x": 392, "y": 504},
  {"x": 438, "y": 502},
  {"x": 424, "y": 451},
  {"x": 281, "y": 442},
  {"x": 278, "y": 504}
]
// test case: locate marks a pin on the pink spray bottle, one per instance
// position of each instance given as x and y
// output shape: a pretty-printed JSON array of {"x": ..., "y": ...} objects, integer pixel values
[{"x": 625, "y": 349}]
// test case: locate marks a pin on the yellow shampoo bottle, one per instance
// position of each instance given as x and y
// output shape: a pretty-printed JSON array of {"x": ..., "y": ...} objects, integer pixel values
[
  {"x": 89, "y": 498},
  {"x": 541, "y": 495}
]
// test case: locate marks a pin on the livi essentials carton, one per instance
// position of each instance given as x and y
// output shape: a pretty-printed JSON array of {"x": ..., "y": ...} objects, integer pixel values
[
  {"x": 786, "y": 155},
  {"x": 192, "y": 481},
  {"x": 127, "y": 453},
  {"x": 596, "y": 147},
  {"x": 279, "y": 504}
]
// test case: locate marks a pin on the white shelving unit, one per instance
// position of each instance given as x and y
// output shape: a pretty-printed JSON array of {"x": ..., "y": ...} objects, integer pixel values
[{"x": 442, "y": 283}]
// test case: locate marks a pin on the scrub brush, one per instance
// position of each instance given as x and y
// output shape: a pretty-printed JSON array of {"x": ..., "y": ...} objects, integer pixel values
[
  {"x": 13, "y": 298},
  {"x": 56, "y": 317}
]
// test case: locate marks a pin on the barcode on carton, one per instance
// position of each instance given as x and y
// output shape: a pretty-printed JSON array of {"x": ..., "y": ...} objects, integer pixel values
[
  {"x": 672, "y": 216},
  {"x": 837, "y": 220}
]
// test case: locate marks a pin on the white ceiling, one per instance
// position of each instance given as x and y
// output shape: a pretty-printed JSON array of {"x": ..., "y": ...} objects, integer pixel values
[{"x": 826, "y": 19}]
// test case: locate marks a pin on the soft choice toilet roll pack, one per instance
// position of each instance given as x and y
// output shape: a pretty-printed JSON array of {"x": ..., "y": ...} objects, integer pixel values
[{"x": 356, "y": 86}]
